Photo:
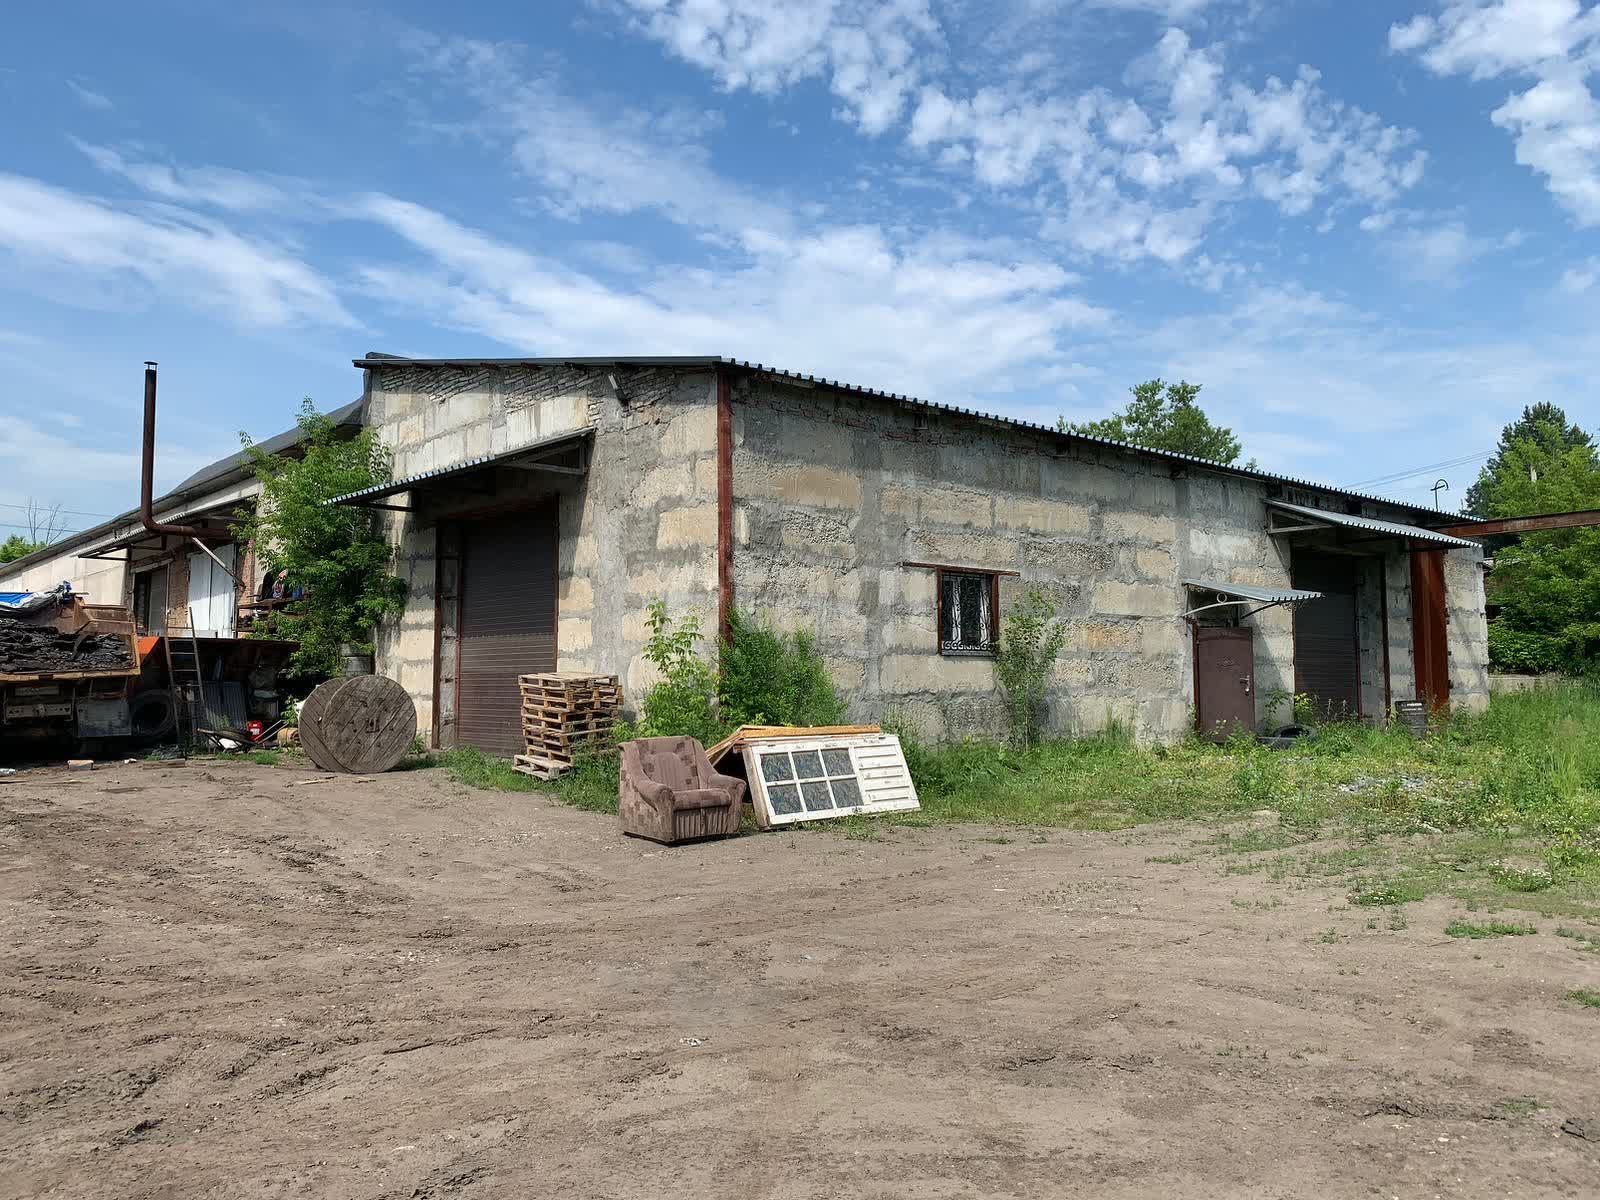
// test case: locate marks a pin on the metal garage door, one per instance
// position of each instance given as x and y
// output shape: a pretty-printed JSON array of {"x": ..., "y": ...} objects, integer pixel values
[
  {"x": 1327, "y": 658},
  {"x": 508, "y": 623}
]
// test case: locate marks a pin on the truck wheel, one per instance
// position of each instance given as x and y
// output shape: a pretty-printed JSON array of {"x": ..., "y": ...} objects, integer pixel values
[{"x": 152, "y": 714}]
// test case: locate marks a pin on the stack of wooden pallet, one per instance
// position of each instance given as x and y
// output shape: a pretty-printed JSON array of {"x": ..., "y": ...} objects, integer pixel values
[{"x": 564, "y": 712}]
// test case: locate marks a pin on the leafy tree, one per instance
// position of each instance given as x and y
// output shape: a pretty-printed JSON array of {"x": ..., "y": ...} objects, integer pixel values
[
  {"x": 1029, "y": 646},
  {"x": 338, "y": 556},
  {"x": 1548, "y": 583},
  {"x": 1164, "y": 416},
  {"x": 16, "y": 546},
  {"x": 1535, "y": 451}
]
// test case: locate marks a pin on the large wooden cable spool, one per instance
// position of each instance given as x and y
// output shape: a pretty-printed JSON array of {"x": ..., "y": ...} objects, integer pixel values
[{"x": 362, "y": 724}]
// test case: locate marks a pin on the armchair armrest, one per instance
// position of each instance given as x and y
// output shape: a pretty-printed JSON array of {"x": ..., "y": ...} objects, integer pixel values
[{"x": 734, "y": 786}]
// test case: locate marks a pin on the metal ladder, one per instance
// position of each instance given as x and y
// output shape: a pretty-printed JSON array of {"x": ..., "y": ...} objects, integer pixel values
[{"x": 183, "y": 669}]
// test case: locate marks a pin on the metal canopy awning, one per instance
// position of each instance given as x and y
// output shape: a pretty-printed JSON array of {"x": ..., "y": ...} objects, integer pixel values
[
  {"x": 1320, "y": 518},
  {"x": 1224, "y": 595},
  {"x": 565, "y": 454}
]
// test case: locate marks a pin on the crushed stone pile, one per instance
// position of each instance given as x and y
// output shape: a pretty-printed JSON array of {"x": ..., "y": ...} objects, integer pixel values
[{"x": 27, "y": 649}]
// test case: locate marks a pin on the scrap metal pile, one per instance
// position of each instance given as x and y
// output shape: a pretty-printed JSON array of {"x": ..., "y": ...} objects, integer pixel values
[
  {"x": 54, "y": 632},
  {"x": 27, "y": 648}
]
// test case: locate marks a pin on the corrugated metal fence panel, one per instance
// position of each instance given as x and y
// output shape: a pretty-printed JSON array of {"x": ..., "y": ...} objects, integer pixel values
[
  {"x": 508, "y": 624},
  {"x": 1326, "y": 662}
]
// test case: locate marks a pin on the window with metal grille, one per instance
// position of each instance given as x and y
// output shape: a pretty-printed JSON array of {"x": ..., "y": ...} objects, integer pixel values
[{"x": 967, "y": 612}]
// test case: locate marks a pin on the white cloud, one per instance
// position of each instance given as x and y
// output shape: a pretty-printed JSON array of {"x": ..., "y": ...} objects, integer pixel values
[
  {"x": 1437, "y": 253},
  {"x": 867, "y": 51},
  {"x": 1556, "y": 121},
  {"x": 90, "y": 98},
  {"x": 212, "y": 187},
  {"x": 939, "y": 316},
  {"x": 1580, "y": 277},
  {"x": 621, "y": 162},
  {"x": 63, "y": 240},
  {"x": 1137, "y": 177},
  {"x": 1149, "y": 171}
]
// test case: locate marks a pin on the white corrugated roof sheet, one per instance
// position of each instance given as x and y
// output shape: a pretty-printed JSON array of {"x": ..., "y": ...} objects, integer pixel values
[{"x": 1369, "y": 524}]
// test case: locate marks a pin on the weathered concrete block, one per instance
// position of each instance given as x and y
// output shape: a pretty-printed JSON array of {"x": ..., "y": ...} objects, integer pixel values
[
  {"x": 934, "y": 673},
  {"x": 954, "y": 506},
  {"x": 691, "y": 432},
  {"x": 1135, "y": 599},
  {"x": 574, "y": 634},
  {"x": 1154, "y": 564},
  {"x": 1041, "y": 515},
  {"x": 695, "y": 526},
  {"x": 1157, "y": 528},
  {"x": 819, "y": 487}
]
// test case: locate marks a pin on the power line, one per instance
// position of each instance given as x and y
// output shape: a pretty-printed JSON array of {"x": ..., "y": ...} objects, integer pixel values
[
  {"x": 46, "y": 509},
  {"x": 1410, "y": 471}
]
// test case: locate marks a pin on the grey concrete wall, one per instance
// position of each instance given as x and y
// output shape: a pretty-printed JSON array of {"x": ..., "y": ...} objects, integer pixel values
[
  {"x": 1468, "y": 640},
  {"x": 834, "y": 493},
  {"x": 641, "y": 524}
]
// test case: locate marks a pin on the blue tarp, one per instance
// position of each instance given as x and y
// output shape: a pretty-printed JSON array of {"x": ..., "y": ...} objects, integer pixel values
[{"x": 26, "y": 602}]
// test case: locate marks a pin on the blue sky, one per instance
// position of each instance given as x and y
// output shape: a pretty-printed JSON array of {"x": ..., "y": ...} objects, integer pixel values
[{"x": 1369, "y": 230}]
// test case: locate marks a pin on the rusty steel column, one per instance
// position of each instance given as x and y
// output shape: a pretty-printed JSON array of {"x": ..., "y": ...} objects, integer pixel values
[{"x": 724, "y": 503}]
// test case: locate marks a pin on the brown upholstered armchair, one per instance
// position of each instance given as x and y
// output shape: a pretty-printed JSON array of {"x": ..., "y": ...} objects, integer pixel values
[{"x": 669, "y": 793}]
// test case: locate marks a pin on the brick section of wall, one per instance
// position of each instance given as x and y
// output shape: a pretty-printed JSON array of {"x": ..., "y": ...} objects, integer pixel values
[{"x": 640, "y": 525}]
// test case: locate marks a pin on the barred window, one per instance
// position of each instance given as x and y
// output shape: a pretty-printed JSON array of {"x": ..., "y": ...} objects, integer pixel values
[{"x": 968, "y": 621}]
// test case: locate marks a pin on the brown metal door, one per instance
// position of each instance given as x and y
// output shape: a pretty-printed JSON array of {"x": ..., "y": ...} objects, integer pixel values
[
  {"x": 1429, "y": 628},
  {"x": 508, "y": 624},
  {"x": 1327, "y": 651},
  {"x": 1224, "y": 679}
]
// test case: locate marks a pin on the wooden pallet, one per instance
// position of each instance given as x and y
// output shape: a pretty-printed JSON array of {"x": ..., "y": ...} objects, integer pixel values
[
  {"x": 565, "y": 713},
  {"x": 540, "y": 766}
]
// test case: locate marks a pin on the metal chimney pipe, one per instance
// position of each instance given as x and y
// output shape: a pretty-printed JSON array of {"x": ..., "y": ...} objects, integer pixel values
[{"x": 147, "y": 516}]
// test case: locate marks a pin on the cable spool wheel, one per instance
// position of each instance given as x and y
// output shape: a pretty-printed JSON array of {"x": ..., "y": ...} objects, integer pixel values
[{"x": 361, "y": 725}]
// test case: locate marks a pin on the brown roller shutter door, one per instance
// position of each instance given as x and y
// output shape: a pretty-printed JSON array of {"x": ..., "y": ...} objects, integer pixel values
[
  {"x": 1326, "y": 650},
  {"x": 508, "y": 623}
]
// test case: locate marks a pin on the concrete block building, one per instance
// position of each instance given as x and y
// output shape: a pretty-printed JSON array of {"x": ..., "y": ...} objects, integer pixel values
[{"x": 539, "y": 505}]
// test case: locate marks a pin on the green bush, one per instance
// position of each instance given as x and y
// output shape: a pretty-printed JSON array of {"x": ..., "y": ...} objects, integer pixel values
[
  {"x": 772, "y": 678},
  {"x": 1029, "y": 646},
  {"x": 682, "y": 702},
  {"x": 1517, "y": 652}
]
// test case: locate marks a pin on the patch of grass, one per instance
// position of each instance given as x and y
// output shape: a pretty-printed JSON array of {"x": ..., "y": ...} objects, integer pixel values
[
  {"x": 1515, "y": 879},
  {"x": 1328, "y": 937},
  {"x": 473, "y": 767},
  {"x": 1173, "y": 859},
  {"x": 1397, "y": 919},
  {"x": 265, "y": 758},
  {"x": 1587, "y": 997},
  {"x": 1589, "y": 943},
  {"x": 1403, "y": 891},
  {"x": 1488, "y": 929}
]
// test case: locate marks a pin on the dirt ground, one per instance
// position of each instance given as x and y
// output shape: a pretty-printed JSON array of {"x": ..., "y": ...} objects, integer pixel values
[{"x": 241, "y": 981}]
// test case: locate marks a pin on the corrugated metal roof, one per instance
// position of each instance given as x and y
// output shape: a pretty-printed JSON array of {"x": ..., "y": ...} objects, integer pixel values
[
  {"x": 379, "y": 490},
  {"x": 388, "y": 360},
  {"x": 1369, "y": 524},
  {"x": 208, "y": 478},
  {"x": 1256, "y": 592}
]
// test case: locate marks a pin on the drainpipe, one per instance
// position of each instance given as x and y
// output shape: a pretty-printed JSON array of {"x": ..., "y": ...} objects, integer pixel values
[
  {"x": 147, "y": 516},
  {"x": 147, "y": 471},
  {"x": 724, "y": 503}
]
